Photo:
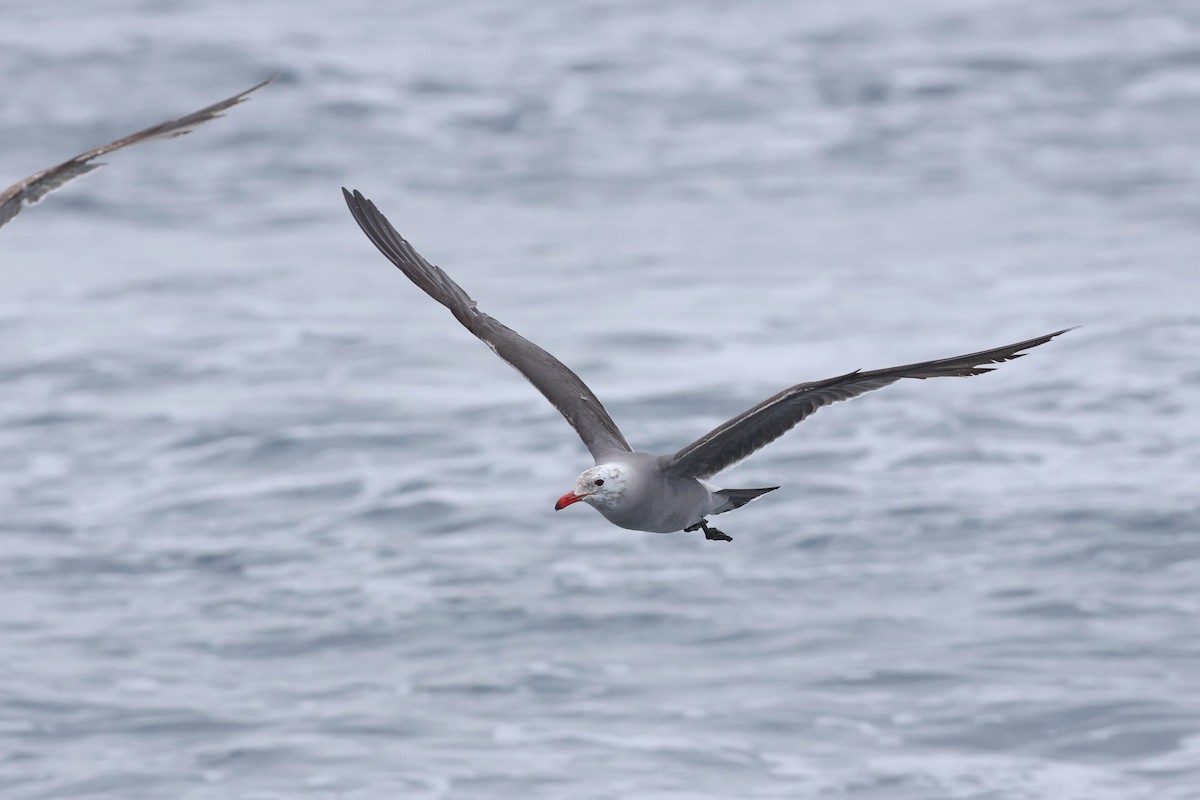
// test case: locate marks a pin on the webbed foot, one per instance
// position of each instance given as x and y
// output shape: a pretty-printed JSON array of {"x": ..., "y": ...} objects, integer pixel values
[
  {"x": 712, "y": 534},
  {"x": 716, "y": 535}
]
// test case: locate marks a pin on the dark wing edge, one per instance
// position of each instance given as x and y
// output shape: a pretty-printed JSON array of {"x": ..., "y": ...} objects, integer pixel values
[
  {"x": 565, "y": 390},
  {"x": 734, "y": 440},
  {"x": 36, "y": 186}
]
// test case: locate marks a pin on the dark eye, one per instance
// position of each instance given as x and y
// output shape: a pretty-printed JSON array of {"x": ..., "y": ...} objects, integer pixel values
[{"x": 599, "y": 481}]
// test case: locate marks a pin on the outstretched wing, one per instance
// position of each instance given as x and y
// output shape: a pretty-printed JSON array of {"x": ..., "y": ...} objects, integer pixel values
[
  {"x": 562, "y": 387},
  {"x": 37, "y": 186},
  {"x": 732, "y": 441}
]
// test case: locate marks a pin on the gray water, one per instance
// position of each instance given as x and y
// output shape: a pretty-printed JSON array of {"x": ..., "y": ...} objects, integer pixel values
[{"x": 274, "y": 526}]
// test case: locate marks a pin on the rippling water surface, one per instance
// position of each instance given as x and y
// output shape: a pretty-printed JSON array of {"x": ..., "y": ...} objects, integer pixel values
[{"x": 273, "y": 526}]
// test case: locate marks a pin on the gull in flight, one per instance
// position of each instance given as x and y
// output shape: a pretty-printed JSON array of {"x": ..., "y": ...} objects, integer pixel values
[
  {"x": 643, "y": 491},
  {"x": 36, "y": 186}
]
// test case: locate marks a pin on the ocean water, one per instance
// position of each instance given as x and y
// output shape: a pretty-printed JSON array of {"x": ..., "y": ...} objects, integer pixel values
[{"x": 273, "y": 526}]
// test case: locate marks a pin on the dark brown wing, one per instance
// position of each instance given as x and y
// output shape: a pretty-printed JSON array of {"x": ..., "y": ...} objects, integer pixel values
[
  {"x": 732, "y": 441},
  {"x": 562, "y": 387},
  {"x": 37, "y": 186}
]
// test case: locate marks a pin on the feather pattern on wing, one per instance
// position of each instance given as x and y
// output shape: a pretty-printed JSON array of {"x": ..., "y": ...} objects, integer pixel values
[
  {"x": 36, "y": 186},
  {"x": 558, "y": 384},
  {"x": 732, "y": 441}
]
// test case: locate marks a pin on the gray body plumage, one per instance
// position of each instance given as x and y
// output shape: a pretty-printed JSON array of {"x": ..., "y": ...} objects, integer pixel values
[
  {"x": 642, "y": 491},
  {"x": 655, "y": 501}
]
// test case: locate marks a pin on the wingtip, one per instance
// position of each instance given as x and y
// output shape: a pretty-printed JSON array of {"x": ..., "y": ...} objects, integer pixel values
[
  {"x": 271, "y": 79},
  {"x": 1043, "y": 339},
  {"x": 355, "y": 200},
  {"x": 1050, "y": 336}
]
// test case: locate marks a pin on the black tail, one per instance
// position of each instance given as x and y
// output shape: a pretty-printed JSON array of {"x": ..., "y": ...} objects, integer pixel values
[{"x": 739, "y": 497}]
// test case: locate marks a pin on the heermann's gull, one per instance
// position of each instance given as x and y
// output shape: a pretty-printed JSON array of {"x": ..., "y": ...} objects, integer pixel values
[
  {"x": 37, "y": 186},
  {"x": 642, "y": 491}
]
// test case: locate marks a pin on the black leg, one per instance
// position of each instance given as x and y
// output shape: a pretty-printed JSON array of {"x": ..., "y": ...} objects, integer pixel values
[{"x": 711, "y": 534}]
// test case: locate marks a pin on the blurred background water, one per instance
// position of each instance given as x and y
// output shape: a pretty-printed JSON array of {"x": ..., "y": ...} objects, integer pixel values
[{"x": 274, "y": 526}]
